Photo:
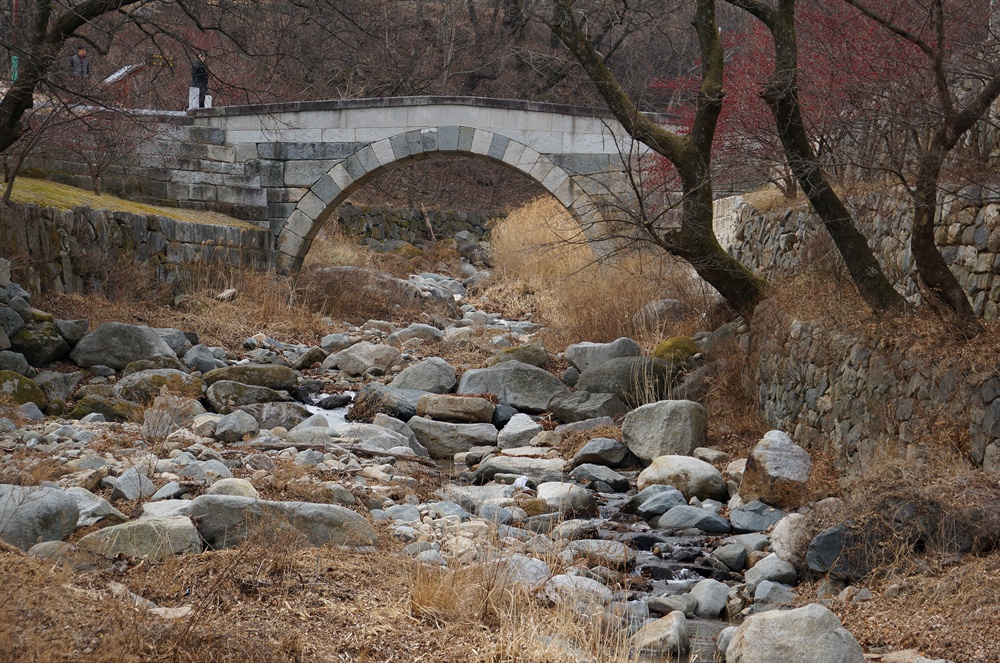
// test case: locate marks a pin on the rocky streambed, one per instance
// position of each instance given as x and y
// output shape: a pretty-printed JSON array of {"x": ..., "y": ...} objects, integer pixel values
[{"x": 589, "y": 490}]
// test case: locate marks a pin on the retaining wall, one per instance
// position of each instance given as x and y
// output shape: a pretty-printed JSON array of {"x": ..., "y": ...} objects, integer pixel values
[
  {"x": 854, "y": 397},
  {"x": 71, "y": 251}
]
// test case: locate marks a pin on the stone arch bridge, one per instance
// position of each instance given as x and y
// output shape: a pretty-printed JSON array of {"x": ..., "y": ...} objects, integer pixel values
[{"x": 288, "y": 166}]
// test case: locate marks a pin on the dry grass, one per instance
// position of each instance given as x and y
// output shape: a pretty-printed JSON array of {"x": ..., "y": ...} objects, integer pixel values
[
  {"x": 545, "y": 267},
  {"x": 46, "y": 193},
  {"x": 946, "y": 611}
]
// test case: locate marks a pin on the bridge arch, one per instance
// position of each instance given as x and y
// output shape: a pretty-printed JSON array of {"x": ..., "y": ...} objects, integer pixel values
[{"x": 295, "y": 237}]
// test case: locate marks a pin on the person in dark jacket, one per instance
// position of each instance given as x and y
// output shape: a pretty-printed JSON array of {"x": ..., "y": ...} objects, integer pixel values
[
  {"x": 79, "y": 65},
  {"x": 199, "y": 78}
]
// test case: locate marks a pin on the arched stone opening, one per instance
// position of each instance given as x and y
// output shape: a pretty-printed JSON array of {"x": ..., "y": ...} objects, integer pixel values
[{"x": 330, "y": 190}]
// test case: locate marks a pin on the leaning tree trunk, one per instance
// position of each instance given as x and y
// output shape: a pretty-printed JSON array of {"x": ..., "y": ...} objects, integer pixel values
[
  {"x": 695, "y": 240},
  {"x": 782, "y": 97},
  {"x": 938, "y": 283}
]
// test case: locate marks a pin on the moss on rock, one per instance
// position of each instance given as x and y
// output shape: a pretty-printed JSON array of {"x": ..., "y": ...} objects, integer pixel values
[
  {"x": 678, "y": 350},
  {"x": 21, "y": 390}
]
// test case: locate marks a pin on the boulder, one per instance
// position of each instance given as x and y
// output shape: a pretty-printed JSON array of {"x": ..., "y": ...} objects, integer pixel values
[
  {"x": 362, "y": 357},
  {"x": 518, "y": 432},
  {"x": 532, "y": 353},
  {"x": 754, "y": 517},
  {"x": 225, "y": 396},
  {"x": 116, "y": 345},
  {"x": 144, "y": 386},
  {"x": 678, "y": 350},
  {"x": 771, "y": 568},
  {"x": 457, "y": 409},
  {"x": 790, "y": 539},
  {"x": 711, "y": 596},
  {"x": 275, "y": 415},
  {"x": 568, "y": 499},
  {"x": 444, "y": 440},
  {"x": 811, "y": 634},
  {"x": 32, "y": 514},
  {"x": 601, "y": 451},
  {"x": 112, "y": 409},
  {"x": 235, "y": 426},
  {"x": 537, "y": 469},
  {"x": 226, "y": 521},
  {"x": 665, "y": 428},
  {"x": 582, "y": 405},
  {"x": 94, "y": 509},
  {"x": 417, "y": 330},
  {"x": 152, "y": 539},
  {"x": 231, "y": 486},
  {"x": 10, "y": 321},
  {"x": 581, "y": 594},
  {"x": 634, "y": 380},
  {"x": 309, "y": 358},
  {"x": 202, "y": 358},
  {"x": 588, "y": 355},
  {"x": 665, "y": 637},
  {"x": 40, "y": 344},
  {"x": 176, "y": 339},
  {"x": 693, "y": 477},
  {"x": 522, "y": 386},
  {"x": 58, "y": 386},
  {"x": 132, "y": 485},
  {"x": 692, "y": 517},
  {"x": 14, "y": 361},
  {"x": 374, "y": 398},
  {"x": 776, "y": 471},
  {"x": 588, "y": 474},
  {"x": 168, "y": 413},
  {"x": 434, "y": 375},
  {"x": 271, "y": 376},
  {"x": 604, "y": 552},
  {"x": 660, "y": 502},
  {"x": 19, "y": 389},
  {"x": 397, "y": 426}
]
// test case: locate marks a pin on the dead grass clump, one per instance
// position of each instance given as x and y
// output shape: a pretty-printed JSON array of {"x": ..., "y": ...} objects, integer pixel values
[
  {"x": 357, "y": 294},
  {"x": 903, "y": 511},
  {"x": 545, "y": 267},
  {"x": 948, "y": 610},
  {"x": 26, "y": 468}
]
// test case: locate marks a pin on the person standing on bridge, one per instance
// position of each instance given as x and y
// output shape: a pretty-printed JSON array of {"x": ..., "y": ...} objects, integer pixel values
[
  {"x": 79, "y": 65},
  {"x": 199, "y": 82}
]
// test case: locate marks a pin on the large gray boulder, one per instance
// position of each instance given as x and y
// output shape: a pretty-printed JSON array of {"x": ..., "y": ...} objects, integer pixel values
[
  {"x": 58, "y": 386},
  {"x": 519, "y": 432},
  {"x": 116, "y": 345},
  {"x": 202, "y": 358},
  {"x": 692, "y": 517},
  {"x": 568, "y": 499},
  {"x": 771, "y": 568},
  {"x": 152, "y": 539},
  {"x": 374, "y": 398},
  {"x": 40, "y": 344},
  {"x": 235, "y": 426},
  {"x": 19, "y": 389},
  {"x": 588, "y": 355},
  {"x": 712, "y": 597},
  {"x": 693, "y": 477},
  {"x": 176, "y": 339},
  {"x": 457, "y": 409},
  {"x": 434, "y": 375},
  {"x": 31, "y": 514},
  {"x": 539, "y": 469},
  {"x": 271, "y": 376},
  {"x": 168, "y": 413},
  {"x": 582, "y": 405},
  {"x": 524, "y": 387},
  {"x": 226, "y": 521},
  {"x": 634, "y": 380},
  {"x": 144, "y": 386},
  {"x": 274, "y": 415},
  {"x": 225, "y": 396},
  {"x": 93, "y": 508},
  {"x": 601, "y": 451},
  {"x": 362, "y": 357},
  {"x": 666, "y": 637},
  {"x": 776, "y": 472},
  {"x": 664, "y": 428},
  {"x": 811, "y": 634},
  {"x": 443, "y": 439}
]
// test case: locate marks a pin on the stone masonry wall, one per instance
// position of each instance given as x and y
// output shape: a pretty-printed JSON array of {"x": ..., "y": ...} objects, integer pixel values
[
  {"x": 71, "y": 251},
  {"x": 856, "y": 398},
  {"x": 408, "y": 225}
]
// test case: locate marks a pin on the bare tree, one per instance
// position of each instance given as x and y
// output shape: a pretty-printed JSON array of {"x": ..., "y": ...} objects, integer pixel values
[{"x": 693, "y": 239}]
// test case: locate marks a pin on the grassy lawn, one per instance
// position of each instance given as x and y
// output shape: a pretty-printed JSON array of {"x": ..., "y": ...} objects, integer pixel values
[{"x": 28, "y": 190}]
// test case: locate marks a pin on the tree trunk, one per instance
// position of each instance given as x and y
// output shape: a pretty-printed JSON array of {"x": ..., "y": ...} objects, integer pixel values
[
  {"x": 695, "y": 241},
  {"x": 782, "y": 97},
  {"x": 938, "y": 283}
]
